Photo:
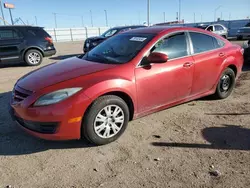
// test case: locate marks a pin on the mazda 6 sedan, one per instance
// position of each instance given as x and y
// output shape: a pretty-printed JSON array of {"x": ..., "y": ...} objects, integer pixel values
[{"x": 126, "y": 77}]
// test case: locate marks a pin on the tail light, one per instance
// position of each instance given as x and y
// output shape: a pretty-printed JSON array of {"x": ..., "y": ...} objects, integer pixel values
[{"x": 50, "y": 40}]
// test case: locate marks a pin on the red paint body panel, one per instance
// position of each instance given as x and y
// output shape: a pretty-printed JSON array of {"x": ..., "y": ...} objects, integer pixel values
[{"x": 151, "y": 88}]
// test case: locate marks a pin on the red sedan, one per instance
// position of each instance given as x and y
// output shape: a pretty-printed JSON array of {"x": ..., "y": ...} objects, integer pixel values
[{"x": 127, "y": 76}]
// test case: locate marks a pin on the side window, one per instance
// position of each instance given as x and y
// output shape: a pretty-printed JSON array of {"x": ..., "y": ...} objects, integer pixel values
[
  {"x": 218, "y": 28},
  {"x": 210, "y": 28},
  {"x": 202, "y": 42},
  {"x": 32, "y": 32},
  {"x": 8, "y": 34},
  {"x": 174, "y": 46}
]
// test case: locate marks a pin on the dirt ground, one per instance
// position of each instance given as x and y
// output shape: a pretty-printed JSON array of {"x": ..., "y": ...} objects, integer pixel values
[{"x": 178, "y": 147}]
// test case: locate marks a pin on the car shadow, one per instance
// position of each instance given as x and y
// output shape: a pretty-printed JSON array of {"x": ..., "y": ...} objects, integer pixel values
[
  {"x": 12, "y": 64},
  {"x": 228, "y": 137},
  {"x": 61, "y": 57},
  {"x": 14, "y": 141}
]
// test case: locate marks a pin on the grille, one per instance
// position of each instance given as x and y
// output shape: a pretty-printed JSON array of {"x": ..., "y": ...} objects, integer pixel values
[
  {"x": 19, "y": 94},
  {"x": 40, "y": 127}
]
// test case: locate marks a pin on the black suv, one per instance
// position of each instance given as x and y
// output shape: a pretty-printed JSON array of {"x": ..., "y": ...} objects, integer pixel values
[
  {"x": 25, "y": 43},
  {"x": 94, "y": 41}
]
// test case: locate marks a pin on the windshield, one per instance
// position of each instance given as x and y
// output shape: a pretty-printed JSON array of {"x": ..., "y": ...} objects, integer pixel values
[
  {"x": 109, "y": 33},
  {"x": 119, "y": 49}
]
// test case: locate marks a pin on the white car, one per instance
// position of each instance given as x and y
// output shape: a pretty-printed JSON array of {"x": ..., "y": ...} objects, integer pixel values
[{"x": 215, "y": 28}]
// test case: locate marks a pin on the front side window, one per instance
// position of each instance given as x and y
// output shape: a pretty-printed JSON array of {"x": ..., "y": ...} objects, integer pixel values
[
  {"x": 119, "y": 49},
  {"x": 174, "y": 46},
  {"x": 109, "y": 33},
  {"x": 202, "y": 42},
  {"x": 8, "y": 34},
  {"x": 210, "y": 28}
]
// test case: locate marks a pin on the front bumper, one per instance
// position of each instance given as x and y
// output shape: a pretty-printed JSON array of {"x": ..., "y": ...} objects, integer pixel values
[{"x": 52, "y": 122}]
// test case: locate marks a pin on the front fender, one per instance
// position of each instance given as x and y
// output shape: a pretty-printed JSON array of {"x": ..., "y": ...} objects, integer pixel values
[{"x": 113, "y": 85}]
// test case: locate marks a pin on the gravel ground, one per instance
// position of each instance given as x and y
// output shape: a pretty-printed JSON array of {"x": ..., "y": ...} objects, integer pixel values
[{"x": 203, "y": 143}]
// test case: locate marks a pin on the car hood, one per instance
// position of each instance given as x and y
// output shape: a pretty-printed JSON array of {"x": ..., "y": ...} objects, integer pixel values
[
  {"x": 92, "y": 39},
  {"x": 245, "y": 29},
  {"x": 59, "y": 72}
]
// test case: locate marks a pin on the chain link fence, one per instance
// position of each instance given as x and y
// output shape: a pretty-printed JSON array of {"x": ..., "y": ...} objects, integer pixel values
[{"x": 74, "y": 34}]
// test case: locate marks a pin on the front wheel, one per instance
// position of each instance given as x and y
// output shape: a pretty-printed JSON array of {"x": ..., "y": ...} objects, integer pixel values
[
  {"x": 226, "y": 84},
  {"x": 106, "y": 120}
]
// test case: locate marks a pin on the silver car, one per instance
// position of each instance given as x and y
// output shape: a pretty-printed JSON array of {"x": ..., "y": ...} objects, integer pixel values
[
  {"x": 215, "y": 28},
  {"x": 243, "y": 32}
]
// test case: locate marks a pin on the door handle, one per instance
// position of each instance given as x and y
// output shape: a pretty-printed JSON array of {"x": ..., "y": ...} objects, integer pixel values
[
  {"x": 187, "y": 64},
  {"x": 221, "y": 54}
]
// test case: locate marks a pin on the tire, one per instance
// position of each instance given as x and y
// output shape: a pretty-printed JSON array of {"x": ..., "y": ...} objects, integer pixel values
[
  {"x": 239, "y": 37},
  {"x": 33, "y": 57},
  {"x": 225, "y": 85},
  {"x": 95, "y": 129}
]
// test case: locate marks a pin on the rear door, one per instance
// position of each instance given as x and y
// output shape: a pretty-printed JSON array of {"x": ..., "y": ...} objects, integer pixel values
[
  {"x": 10, "y": 45},
  {"x": 208, "y": 54}
]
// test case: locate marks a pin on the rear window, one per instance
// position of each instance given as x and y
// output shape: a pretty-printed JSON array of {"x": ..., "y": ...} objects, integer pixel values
[
  {"x": 248, "y": 25},
  {"x": 37, "y": 32}
]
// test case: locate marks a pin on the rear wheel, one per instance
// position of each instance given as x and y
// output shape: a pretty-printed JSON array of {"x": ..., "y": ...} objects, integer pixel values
[
  {"x": 33, "y": 57},
  {"x": 106, "y": 120},
  {"x": 226, "y": 84},
  {"x": 224, "y": 36}
]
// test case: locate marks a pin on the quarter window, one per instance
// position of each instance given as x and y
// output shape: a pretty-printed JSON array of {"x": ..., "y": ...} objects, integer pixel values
[
  {"x": 174, "y": 46},
  {"x": 218, "y": 28},
  {"x": 203, "y": 43},
  {"x": 8, "y": 34}
]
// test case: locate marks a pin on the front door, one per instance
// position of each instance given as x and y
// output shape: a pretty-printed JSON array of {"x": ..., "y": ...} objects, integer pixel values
[
  {"x": 10, "y": 41},
  {"x": 162, "y": 84}
]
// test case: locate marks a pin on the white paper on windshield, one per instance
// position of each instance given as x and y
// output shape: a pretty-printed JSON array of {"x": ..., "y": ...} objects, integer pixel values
[{"x": 138, "y": 39}]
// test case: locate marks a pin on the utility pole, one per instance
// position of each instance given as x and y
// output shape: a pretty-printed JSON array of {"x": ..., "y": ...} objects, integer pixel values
[
  {"x": 148, "y": 12},
  {"x": 55, "y": 20},
  {"x": 194, "y": 18},
  {"x": 201, "y": 18},
  {"x": 82, "y": 21},
  {"x": 221, "y": 16},
  {"x": 164, "y": 16},
  {"x": 12, "y": 22},
  {"x": 139, "y": 18},
  {"x": 179, "y": 10},
  {"x": 91, "y": 18},
  {"x": 36, "y": 20},
  {"x": 1, "y": 8},
  {"x": 177, "y": 16},
  {"x": 215, "y": 10},
  {"x": 106, "y": 17}
]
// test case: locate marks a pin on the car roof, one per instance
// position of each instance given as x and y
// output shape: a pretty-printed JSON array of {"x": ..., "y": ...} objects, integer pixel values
[
  {"x": 154, "y": 29},
  {"x": 131, "y": 26},
  {"x": 19, "y": 26},
  {"x": 164, "y": 29}
]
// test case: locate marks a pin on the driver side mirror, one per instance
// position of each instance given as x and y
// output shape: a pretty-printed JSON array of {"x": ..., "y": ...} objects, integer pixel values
[{"x": 156, "y": 57}]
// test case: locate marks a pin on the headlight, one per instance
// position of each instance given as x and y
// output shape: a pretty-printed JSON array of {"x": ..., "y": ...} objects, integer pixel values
[
  {"x": 87, "y": 45},
  {"x": 238, "y": 31},
  {"x": 94, "y": 43},
  {"x": 56, "y": 96}
]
